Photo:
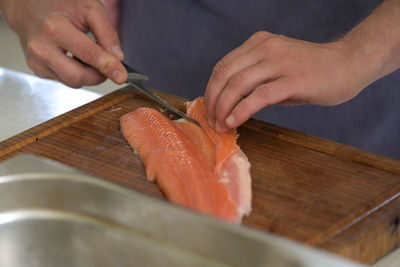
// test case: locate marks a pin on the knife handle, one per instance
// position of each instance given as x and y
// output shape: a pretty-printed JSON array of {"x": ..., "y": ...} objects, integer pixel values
[{"x": 135, "y": 75}]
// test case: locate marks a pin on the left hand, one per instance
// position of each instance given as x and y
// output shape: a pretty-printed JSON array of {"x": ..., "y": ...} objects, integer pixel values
[{"x": 273, "y": 69}]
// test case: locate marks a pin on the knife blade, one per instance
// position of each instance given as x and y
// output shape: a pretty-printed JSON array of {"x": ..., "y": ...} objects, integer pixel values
[{"x": 137, "y": 79}]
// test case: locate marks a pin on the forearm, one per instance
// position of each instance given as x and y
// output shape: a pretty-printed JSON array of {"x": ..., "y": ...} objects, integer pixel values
[{"x": 375, "y": 42}]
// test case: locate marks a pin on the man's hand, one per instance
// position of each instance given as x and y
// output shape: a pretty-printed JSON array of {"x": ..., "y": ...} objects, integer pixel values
[
  {"x": 271, "y": 69},
  {"x": 49, "y": 29}
]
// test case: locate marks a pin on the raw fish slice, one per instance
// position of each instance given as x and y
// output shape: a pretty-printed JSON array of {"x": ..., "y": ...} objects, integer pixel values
[
  {"x": 200, "y": 169},
  {"x": 232, "y": 165},
  {"x": 225, "y": 143}
]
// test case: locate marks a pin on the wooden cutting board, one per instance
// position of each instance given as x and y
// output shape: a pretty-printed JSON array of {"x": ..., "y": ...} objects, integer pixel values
[{"x": 305, "y": 188}]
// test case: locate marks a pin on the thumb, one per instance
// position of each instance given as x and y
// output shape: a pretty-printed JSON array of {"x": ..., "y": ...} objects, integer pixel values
[{"x": 103, "y": 30}]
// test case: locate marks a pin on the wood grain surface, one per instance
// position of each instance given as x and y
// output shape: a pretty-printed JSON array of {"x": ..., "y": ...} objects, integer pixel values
[{"x": 305, "y": 188}]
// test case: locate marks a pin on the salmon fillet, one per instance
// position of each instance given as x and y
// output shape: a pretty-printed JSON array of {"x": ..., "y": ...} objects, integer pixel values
[{"x": 195, "y": 167}]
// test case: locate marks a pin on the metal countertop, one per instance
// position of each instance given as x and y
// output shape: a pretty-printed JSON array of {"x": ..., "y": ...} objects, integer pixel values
[{"x": 27, "y": 101}]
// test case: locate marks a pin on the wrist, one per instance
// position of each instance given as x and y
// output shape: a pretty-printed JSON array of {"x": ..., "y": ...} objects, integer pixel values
[
  {"x": 374, "y": 44},
  {"x": 365, "y": 59}
]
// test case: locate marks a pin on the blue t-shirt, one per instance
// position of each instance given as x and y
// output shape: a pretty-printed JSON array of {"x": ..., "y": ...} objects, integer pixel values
[{"x": 177, "y": 43}]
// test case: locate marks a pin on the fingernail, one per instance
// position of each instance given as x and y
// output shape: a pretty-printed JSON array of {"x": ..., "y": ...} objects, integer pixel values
[
  {"x": 211, "y": 122},
  {"x": 116, "y": 50},
  {"x": 219, "y": 128},
  {"x": 230, "y": 120},
  {"x": 117, "y": 76}
]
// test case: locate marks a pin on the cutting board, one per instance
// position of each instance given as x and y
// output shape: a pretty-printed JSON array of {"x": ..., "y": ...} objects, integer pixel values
[{"x": 320, "y": 193}]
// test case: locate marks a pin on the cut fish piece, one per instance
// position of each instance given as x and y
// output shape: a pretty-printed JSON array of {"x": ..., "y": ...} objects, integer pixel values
[{"x": 195, "y": 167}]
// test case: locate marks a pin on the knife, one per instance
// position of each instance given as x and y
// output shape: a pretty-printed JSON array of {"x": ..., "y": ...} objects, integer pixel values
[{"x": 136, "y": 79}]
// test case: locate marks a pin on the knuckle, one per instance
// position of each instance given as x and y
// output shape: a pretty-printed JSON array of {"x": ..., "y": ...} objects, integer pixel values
[
  {"x": 107, "y": 67},
  {"x": 35, "y": 48},
  {"x": 49, "y": 27},
  {"x": 273, "y": 44},
  {"x": 263, "y": 92},
  {"x": 221, "y": 70},
  {"x": 260, "y": 35},
  {"x": 87, "y": 53},
  {"x": 237, "y": 80},
  {"x": 52, "y": 23}
]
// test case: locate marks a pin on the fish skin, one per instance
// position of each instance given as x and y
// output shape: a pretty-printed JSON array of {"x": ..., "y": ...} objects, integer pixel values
[{"x": 195, "y": 167}]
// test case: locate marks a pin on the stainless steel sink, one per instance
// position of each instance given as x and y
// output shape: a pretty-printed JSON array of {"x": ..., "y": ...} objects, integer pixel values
[{"x": 53, "y": 215}]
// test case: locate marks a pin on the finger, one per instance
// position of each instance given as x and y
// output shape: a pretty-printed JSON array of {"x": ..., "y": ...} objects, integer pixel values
[
  {"x": 254, "y": 41},
  {"x": 40, "y": 69},
  {"x": 225, "y": 68},
  {"x": 291, "y": 103},
  {"x": 70, "y": 71},
  {"x": 263, "y": 96},
  {"x": 84, "y": 48},
  {"x": 100, "y": 24},
  {"x": 45, "y": 73},
  {"x": 73, "y": 73},
  {"x": 215, "y": 83},
  {"x": 240, "y": 85},
  {"x": 43, "y": 53}
]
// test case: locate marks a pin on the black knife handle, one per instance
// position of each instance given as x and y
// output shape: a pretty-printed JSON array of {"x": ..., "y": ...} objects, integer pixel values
[
  {"x": 134, "y": 75},
  {"x": 129, "y": 69}
]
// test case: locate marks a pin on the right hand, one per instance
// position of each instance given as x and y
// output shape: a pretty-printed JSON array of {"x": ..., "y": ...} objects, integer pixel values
[
  {"x": 48, "y": 29},
  {"x": 270, "y": 69}
]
